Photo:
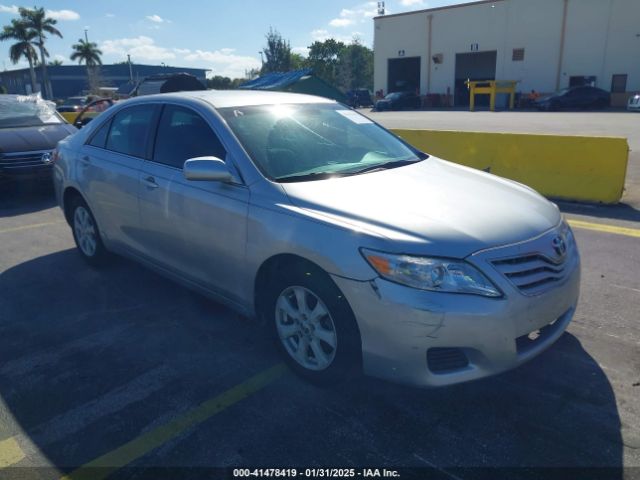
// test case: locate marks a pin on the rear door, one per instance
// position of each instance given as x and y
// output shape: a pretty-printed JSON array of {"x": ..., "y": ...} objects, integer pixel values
[
  {"x": 196, "y": 229},
  {"x": 109, "y": 168}
]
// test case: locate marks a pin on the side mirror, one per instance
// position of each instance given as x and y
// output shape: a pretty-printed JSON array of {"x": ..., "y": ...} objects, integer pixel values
[{"x": 207, "y": 168}]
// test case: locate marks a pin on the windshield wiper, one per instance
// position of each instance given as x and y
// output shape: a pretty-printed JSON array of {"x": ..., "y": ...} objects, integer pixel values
[
  {"x": 383, "y": 166},
  {"x": 303, "y": 177}
]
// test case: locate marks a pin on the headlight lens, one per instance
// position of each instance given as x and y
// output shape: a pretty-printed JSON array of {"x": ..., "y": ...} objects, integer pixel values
[{"x": 430, "y": 273}]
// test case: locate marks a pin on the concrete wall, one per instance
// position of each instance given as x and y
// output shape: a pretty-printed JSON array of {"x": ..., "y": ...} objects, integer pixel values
[{"x": 601, "y": 39}]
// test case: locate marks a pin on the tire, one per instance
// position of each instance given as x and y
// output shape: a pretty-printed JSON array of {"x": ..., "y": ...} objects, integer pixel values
[
  {"x": 324, "y": 327},
  {"x": 86, "y": 233}
]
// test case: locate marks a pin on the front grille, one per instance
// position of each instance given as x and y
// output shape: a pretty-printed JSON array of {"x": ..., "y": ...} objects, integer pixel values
[
  {"x": 445, "y": 360},
  {"x": 533, "y": 273},
  {"x": 22, "y": 160}
]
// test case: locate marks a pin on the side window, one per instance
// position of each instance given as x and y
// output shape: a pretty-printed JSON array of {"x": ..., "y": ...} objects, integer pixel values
[
  {"x": 130, "y": 130},
  {"x": 183, "y": 134},
  {"x": 100, "y": 137}
]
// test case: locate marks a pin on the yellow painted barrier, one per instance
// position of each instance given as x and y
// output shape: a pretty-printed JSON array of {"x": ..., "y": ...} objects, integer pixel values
[{"x": 591, "y": 169}]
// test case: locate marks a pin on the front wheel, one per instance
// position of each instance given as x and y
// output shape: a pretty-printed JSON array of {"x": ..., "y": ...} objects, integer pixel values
[
  {"x": 86, "y": 234},
  {"x": 313, "y": 326}
]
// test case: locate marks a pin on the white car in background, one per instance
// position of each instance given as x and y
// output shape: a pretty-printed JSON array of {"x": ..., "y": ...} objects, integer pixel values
[{"x": 633, "y": 104}]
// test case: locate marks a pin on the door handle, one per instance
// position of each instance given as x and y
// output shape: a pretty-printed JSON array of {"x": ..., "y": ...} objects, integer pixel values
[
  {"x": 85, "y": 161},
  {"x": 150, "y": 182}
]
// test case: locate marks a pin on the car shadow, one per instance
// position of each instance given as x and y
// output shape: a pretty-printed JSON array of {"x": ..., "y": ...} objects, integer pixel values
[
  {"x": 18, "y": 197},
  {"x": 89, "y": 359}
]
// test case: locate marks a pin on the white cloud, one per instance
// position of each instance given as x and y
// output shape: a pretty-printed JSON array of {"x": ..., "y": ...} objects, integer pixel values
[
  {"x": 223, "y": 62},
  {"x": 110, "y": 15},
  {"x": 63, "y": 14},
  {"x": 155, "y": 18},
  {"x": 341, "y": 22},
  {"x": 304, "y": 51},
  {"x": 13, "y": 9},
  {"x": 143, "y": 49},
  {"x": 412, "y": 3}
]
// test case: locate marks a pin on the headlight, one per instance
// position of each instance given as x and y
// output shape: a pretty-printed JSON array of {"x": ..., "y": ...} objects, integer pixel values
[{"x": 429, "y": 273}]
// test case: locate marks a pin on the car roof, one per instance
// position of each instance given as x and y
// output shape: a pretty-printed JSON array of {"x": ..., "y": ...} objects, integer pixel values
[{"x": 239, "y": 98}]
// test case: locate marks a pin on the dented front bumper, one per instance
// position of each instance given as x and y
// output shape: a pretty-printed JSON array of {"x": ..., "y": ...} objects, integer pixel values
[{"x": 433, "y": 339}]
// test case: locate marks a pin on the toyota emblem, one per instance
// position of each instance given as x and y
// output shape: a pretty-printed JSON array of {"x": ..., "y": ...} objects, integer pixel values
[
  {"x": 46, "y": 158},
  {"x": 559, "y": 245}
]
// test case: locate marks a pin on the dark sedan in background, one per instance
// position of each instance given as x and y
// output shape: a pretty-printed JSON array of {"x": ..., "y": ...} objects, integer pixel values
[
  {"x": 575, "y": 98},
  {"x": 30, "y": 129},
  {"x": 398, "y": 101}
]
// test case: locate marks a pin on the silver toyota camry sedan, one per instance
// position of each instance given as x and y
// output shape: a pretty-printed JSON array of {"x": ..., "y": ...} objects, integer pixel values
[{"x": 357, "y": 251}]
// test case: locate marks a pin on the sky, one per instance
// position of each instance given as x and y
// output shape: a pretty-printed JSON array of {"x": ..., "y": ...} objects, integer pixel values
[{"x": 223, "y": 36}]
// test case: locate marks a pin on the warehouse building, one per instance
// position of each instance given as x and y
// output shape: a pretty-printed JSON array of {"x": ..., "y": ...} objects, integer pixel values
[
  {"x": 70, "y": 80},
  {"x": 545, "y": 45}
]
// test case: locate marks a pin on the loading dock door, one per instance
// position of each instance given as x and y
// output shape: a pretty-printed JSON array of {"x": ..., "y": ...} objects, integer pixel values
[
  {"x": 473, "y": 66},
  {"x": 403, "y": 74}
]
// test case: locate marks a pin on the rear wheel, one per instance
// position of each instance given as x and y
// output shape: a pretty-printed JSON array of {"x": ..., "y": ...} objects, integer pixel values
[
  {"x": 86, "y": 234},
  {"x": 313, "y": 325}
]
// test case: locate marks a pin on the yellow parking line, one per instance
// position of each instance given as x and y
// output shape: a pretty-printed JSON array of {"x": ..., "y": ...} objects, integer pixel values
[
  {"x": 106, "y": 464},
  {"x": 601, "y": 227},
  {"x": 10, "y": 452},
  {"x": 26, "y": 227}
]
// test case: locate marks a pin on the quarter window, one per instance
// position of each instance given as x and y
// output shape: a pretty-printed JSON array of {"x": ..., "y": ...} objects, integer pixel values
[
  {"x": 130, "y": 130},
  {"x": 183, "y": 134},
  {"x": 100, "y": 137}
]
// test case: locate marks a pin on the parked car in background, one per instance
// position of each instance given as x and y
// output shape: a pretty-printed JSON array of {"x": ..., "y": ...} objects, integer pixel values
[
  {"x": 360, "y": 97},
  {"x": 167, "y": 83},
  {"x": 399, "y": 101},
  {"x": 73, "y": 104},
  {"x": 633, "y": 104},
  {"x": 575, "y": 98},
  {"x": 30, "y": 128},
  {"x": 356, "y": 249},
  {"x": 92, "y": 110}
]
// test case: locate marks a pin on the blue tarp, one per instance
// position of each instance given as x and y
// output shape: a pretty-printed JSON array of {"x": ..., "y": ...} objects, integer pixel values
[{"x": 276, "y": 80}]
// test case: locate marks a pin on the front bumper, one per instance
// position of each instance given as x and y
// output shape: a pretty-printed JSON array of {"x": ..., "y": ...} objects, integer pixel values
[{"x": 402, "y": 327}]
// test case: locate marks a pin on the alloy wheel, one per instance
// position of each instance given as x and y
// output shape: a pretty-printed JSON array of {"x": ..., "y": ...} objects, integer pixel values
[{"x": 305, "y": 328}]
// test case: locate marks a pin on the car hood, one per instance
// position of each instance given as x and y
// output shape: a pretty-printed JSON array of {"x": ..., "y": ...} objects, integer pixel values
[
  {"x": 27, "y": 139},
  {"x": 432, "y": 207}
]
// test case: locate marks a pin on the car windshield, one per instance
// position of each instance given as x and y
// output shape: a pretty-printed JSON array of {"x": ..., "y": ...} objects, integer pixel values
[
  {"x": 26, "y": 111},
  {"x": 299, "y": 142}
]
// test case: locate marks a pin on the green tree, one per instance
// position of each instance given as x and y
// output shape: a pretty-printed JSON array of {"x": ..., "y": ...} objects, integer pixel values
[
  {"x": 88, "y": 53},
  {"x": 55, "y": 63},
  {"x": 36, "y": 21},
  {"x": 277, "y": 53},
  {"x": 355, "y": 67},
  {"x": 298, "y": 62},
  {"x": 324, "y": 58},
  {"x": 23, "y": 47},
  {"x": 218, "y": 82}
]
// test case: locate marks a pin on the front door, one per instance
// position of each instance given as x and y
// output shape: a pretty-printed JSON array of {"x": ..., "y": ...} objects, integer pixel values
[{"x": 196, "y": 229}]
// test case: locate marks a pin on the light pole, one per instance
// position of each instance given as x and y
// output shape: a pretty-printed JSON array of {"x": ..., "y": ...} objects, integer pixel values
[
  {"x": 86, "y": 37},
  {"x": 130, "y": 69}
]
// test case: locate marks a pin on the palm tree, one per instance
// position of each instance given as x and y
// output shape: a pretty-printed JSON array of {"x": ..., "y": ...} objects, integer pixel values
[
  {"x": 23, "y": 48},
  {"x": 89, "y": 53},
  {"x": 36, "y": 20}
]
